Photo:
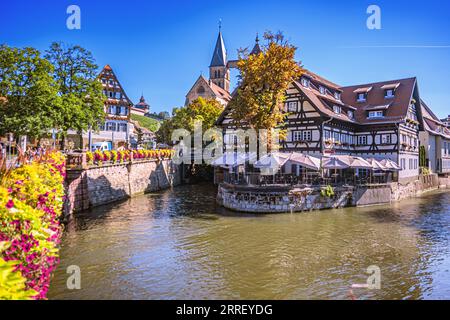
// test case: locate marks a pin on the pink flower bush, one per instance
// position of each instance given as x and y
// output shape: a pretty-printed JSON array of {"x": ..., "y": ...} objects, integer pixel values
[
  {"x": 98, "y": 157},
  {"x": 31, "y": 202}
]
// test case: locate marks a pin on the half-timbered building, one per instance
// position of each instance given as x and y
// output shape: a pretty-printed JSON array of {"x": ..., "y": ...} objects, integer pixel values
[{"x": 377, "y": 120}]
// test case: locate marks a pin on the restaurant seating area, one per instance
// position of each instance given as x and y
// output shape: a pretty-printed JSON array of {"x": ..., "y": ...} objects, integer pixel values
[{"x": 296, "y": 169}]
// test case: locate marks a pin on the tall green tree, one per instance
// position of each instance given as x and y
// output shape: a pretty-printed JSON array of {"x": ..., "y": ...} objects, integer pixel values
[
  {"x": 30, "y": 104},
  {"x": 75, "y": 72},
  {"x": 263, "y": 81},
  {"x": 205, "y": 110}
]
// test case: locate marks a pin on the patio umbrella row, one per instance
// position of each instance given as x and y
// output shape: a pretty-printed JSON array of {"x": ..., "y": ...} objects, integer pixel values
[{"x": 276, "y": 160}]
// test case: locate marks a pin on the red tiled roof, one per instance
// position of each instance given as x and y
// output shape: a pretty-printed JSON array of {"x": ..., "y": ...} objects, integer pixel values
[
  {"x": 219, "y": 92},
  {"x": 432, "y": 123},
  {"x": 324, "y": 81},
  {"x": 398, "y": 105},
  {"x": 396, "y": 108}
]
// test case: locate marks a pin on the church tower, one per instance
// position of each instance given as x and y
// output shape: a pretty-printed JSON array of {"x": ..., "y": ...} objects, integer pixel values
[{"x": 219, "y": 73}]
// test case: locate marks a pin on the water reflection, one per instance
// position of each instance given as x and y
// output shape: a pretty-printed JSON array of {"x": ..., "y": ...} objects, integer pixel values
[{"x": 178, "y": 245}]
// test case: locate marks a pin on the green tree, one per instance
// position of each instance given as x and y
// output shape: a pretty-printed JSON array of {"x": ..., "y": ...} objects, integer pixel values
[
  {"x": 263, "y": 81},
  {"x": 205, "y": 110},
  {"x": 75, "y": 72},
  {"x": 30, "y": 104}
]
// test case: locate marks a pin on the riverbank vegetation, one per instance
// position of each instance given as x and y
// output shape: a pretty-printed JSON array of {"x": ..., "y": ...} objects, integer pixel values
[{"x": 31, "y": 203}]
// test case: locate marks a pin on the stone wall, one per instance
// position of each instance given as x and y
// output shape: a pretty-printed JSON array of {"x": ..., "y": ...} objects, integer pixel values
[
  {"x": 98, "y": 185},
  {"x": 287, "y": 199},
  {"x": 277, "y": 200},
  {"x": 415, "y": 188}
]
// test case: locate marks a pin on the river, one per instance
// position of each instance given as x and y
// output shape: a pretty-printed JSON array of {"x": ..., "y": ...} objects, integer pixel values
[{"x": 177, "y": 244}]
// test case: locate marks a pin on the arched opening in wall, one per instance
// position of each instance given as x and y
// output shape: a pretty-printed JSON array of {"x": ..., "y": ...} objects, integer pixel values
[
  {"x": 218, "y": 73},
  {"x": 201, "y": 90}
]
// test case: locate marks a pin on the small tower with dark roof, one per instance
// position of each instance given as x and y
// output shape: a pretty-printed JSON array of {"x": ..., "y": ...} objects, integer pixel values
[
  {"x": 256, "y": 49},
  {"x": 219, "y": 73},
  {"x": 143, "y": 105}
]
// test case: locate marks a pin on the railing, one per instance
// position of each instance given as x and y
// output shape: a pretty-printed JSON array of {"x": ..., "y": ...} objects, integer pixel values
[{"x": 310, "y": 178}]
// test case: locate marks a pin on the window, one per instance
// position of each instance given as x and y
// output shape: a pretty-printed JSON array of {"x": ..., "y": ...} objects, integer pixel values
[
  {"x": 385, "y": 138},
  {"x": 123, "y": 127},
  {"x": 101, "y": 126},
  {"x": 112, "y": 110},
  {"x": 361, "y": 97},
  {"x": 337, "y": 109},
  {"x": 230, "y": 138},
  {"x": 123, "y": 111},
  {"x": 375, "y": 114},
  {"x": 111, "y": 94},
  {"x": 110, "y": 126},
  {"x": 337, "y": 95},
  {"x": 296, "y": 136},
  {"x": 351, "y": 114},
  {"x": 201, "y": 90},
  {"x": 307, "y": 135},
  {"x": 322, "y": 90},
  {"x": 292, "y": 106},
  {"x": 362, "y": 140},
  {"x": 336, "y": 136},
  {"x": 389, "y": 93},
  {"x": 305, "y": 82},
  {"x": 327, "y": 134},
  {"x": 304, "y": 135},
  {"x": 403, "y": 164}
]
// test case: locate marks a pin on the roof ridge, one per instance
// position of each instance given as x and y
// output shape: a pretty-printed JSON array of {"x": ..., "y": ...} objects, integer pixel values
[{"x": 378, "y": 82}]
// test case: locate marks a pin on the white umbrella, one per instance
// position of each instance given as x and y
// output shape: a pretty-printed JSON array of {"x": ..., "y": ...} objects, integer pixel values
[
  {"x": 334, "y": 163},
  {"x": 272, "y": 160},
  {"x": 376, "y": 165},
  {"x": 390, "y": 165},
  {"x": 231, "y": 159},
  {"x": 307, "y": 161},
  {"x": 360, "y": 163}
]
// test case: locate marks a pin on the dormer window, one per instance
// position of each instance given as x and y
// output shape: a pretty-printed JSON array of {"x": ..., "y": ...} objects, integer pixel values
[
  {"x": 351, "y": 114},
  {"x": 375, "y": 114},
  {"x": 389, "y": 90},
  {"x": 305, "y": 82},
  {"x": 361, "y": 94},
  {"x": 361, "y": 97},
  {"x": 322, "y": 90},
  {"x": 337, "y": 109},
  {"x": 389, "y": 93},
  {"x": 337, "y": 95}
]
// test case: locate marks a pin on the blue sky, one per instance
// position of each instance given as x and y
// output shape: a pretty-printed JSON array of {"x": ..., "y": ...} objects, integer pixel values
[{"x": 160, "y": 47}]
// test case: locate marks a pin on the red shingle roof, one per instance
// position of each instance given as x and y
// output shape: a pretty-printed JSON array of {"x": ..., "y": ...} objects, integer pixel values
[{"x": 398, "y": 105}]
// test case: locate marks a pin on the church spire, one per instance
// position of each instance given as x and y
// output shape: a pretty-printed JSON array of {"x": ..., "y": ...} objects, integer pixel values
[
  {"x": 256, "y": 49},
  {"x": 219, "y": 58}
]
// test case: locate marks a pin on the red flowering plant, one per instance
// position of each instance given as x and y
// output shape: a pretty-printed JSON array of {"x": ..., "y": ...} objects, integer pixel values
[{"x": 31, "y": 202}]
